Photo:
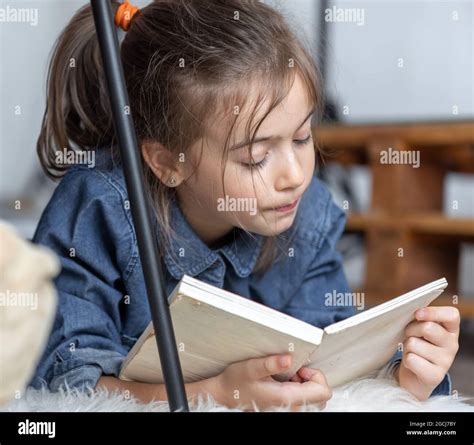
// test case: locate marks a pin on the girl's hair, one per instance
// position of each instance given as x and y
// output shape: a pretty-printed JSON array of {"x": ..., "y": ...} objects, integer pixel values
[{"x": 189, "y": 64}]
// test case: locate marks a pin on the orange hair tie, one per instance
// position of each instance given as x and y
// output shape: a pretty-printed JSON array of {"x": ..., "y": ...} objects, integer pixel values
[{"x": 124, "y": 15}]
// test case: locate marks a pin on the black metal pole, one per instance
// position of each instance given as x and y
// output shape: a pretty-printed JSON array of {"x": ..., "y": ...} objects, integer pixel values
[
  {"x": 139, "y": 204},
  {"x": 330, "y": 113}
]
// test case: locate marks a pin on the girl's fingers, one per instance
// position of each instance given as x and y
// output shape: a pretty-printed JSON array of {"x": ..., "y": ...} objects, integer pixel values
[
  {"x": 430, "y": 331},
  {"x": 432, "y": 353},
  {"x": 305, "y": 374},
  {"x": 426, "y": 372},
  {"x": 313, "y": 375},
  {"x": 296, "y": 378},
  {"x": 314, "y": 390},
  {"x": 448, "y": 316},
  {"x": 259, "y": 368},
  {"x": 303, "y": 393}
]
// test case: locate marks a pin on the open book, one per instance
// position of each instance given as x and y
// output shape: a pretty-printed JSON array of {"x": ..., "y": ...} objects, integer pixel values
[{"x": 215, "y": 328}]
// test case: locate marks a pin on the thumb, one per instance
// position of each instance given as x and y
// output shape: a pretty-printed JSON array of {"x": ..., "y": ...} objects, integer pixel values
[
  {"x": 260, "y": 368},
  {"x": 314, "y": 375}
]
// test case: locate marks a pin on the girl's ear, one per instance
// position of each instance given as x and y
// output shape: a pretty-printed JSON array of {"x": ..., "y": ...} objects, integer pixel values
[{"x": 162, "y": 163}]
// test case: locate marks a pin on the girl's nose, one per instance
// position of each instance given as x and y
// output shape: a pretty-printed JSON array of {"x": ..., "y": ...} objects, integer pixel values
[{"x": 290, "y": 173}]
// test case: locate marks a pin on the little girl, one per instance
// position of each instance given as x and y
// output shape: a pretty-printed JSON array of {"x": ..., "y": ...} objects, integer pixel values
[{"x": 223, "y": 97}]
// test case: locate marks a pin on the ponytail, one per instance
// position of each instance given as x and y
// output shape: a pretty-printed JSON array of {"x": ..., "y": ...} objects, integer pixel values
[{"x": 77, "y": 115}]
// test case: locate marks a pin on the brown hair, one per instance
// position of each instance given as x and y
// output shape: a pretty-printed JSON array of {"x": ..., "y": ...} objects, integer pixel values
[{"x": 186, "y": 63}]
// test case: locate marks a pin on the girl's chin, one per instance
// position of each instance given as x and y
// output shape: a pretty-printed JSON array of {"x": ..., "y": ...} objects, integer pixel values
[{"x": 278, "y": 226}]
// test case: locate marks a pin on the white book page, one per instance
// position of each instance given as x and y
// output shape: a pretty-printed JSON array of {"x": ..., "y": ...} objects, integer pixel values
[
  {"x": 246, "y": 308},
  {"x": 210, "y": 339},
  {"x": 215, "y": 328},
  {"x": 387, "y": 306},
  {"x": 353, "y": 350}
]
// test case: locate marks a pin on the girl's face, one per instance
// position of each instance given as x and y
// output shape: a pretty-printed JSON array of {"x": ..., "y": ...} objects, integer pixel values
[{"x": 284, "y": 159}]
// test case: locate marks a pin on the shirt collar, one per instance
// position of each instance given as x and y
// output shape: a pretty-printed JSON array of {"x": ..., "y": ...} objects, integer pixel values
[{"x": 188, "y": 254}]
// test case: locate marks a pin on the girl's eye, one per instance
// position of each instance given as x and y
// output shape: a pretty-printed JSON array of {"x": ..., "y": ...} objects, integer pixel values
[
  {"x": 303, "y": 141},
  {"x": 260, "y": 164}
]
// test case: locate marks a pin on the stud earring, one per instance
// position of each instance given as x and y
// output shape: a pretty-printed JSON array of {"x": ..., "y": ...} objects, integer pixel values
[{"x": 172, "y": 181}]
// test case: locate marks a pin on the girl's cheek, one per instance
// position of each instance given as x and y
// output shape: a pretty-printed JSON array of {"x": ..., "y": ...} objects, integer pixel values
[{"x": 308, "y": 160}]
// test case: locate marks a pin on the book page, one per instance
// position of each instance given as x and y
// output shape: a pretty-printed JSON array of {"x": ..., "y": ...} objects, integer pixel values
[
  {"x": 209, "y": 339},
  {"x": 246, "y": 308},
  {"x": 354, "y": 350}
]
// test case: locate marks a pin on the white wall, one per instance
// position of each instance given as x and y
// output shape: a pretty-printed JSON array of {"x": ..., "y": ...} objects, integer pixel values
[
  {"x": 435, "y": 41},
  {"x": 24, "y": 51}
]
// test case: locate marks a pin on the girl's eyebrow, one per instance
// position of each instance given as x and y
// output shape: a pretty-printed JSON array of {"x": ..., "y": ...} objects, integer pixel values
[{"x": 267, "y": 138}]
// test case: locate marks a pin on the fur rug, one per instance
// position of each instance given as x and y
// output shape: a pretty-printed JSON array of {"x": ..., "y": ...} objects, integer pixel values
[{"x": 374, "y": 393}]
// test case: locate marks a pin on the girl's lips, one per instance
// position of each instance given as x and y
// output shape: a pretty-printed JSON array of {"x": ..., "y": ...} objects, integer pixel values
[{"x": 287, "y": 208}]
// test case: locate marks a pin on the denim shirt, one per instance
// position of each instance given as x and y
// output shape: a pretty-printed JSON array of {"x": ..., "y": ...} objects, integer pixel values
[{"x": 103, "y": 307}]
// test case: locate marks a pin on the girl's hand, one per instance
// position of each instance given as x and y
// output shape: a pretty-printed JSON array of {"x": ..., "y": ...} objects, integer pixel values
[
  {"x": 431, "y": 343},
  {"x": 243, "y": 383}
]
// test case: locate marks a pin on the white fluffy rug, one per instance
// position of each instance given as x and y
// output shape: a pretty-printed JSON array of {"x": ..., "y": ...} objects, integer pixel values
[{"x": 375, "y": 393}]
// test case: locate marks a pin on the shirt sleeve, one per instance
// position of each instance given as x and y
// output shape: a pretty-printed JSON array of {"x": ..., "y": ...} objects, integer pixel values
[
  {"x": 86, "y": 225},
  {"x": 316, "y": 300}
]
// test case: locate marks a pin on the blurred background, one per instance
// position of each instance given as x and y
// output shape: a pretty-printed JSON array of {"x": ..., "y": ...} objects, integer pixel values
[{"x": 398, "y": 80}]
